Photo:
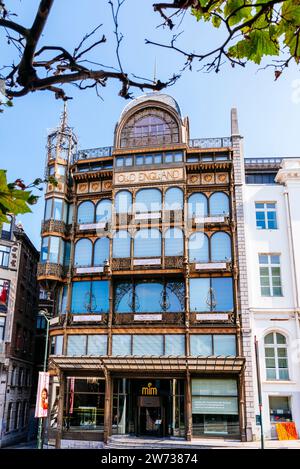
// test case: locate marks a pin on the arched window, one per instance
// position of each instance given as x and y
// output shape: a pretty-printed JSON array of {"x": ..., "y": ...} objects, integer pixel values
[
  {"x": 148, "y": 200},
  {"x": 220, "y": 245},
  {"x": 121, "y": 244},
  {"x": 86, "y": 212},
  {"x": 103, "y": 211},
  {"x": 198, "y": 247},
  {"x": 154, "y": 128},
  {"x": 174, "y": 242},
  {"x": 123, "y": 202},
  {"x": 218, "y": 204},
  {"x": 101, "y": 251},
  {"x": 83, "y": 253},
  {"x": 276, "y": 357},
  {"x": 147, "y": 243},
  {"x": 197, "y": 205},
  {"x": 174, "y": 199}
]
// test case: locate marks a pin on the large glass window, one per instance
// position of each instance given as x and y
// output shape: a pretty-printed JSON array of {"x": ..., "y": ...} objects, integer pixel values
[
  {"x": 125, "y": 344},
  {"x": 276, "y": 357},
  {"x": 147, "y": 243},
  {"x": 198, "y": 247},
  {"x": 211, "y": 294},
  {"x": 175, "y": 344},
  {"x": 148, "y": 345},
  {"x": 83, "y": 253},
  {"x": 149, "y": 297},
  {"x": 121, "y": 344},
  {"x": 270, "y": 275},
  {"x": 123, "y": 202},
  {"x": 197, "y": 205},
  {"x": 152, "y": 129},
  {"x": 4, "y": 255},
  {"x": 121, "y": 244},
  {"x": 148, "y": 200},
  {"x": 103, "y": 211},
  {"x": 86, "y": 212},
  {"x": 266, "y": 216},
  {"x": 213, "y": 345},
  {"x": 215, "y": 407},
  {"x": 84, "y": 404},
  {"x": 56, "y": 209},
  {"x": 101, "y": 251},
  {"x": 174, "y": 199},
  {"x": 219, "y": 204},
  {"x": 220, "y": 244},
  {"x": 90, "y": 297},
  {"x": 174, "y": 242},
  {"x": 79, "y": 345},
  {"x": 52, "y": 249}
]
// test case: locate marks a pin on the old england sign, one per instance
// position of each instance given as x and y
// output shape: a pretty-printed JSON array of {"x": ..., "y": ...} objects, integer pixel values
[{"x": 151, "y": 176}]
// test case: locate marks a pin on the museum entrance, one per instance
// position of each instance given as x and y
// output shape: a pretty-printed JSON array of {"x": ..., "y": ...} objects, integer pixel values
[{"x": 152, "y": 407}]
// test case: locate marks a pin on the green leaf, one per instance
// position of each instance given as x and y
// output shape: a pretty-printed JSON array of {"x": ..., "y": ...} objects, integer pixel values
[
  {"x": 255, "y": 47},
  {"x": 233, "y": 7},
  {"x": 216, "y": 21}
]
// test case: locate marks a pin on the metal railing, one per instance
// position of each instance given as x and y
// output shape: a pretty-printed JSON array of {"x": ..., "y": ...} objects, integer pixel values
[
  {"x": 90, "y": 153},
  {"x": 102, "y": 152}
]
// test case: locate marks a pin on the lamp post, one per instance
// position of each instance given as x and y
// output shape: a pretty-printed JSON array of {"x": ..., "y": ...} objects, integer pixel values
[{"x": 40, "y": 427}]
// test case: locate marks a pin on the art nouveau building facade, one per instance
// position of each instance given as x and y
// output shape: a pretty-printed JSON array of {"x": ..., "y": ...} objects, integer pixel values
[
  {"x": 143, "y": 245},
  {"x": 272, "y": 215}
]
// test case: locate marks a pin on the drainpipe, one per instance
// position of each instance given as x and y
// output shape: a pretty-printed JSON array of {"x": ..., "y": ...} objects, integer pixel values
[{"x": 293, "y": 265}]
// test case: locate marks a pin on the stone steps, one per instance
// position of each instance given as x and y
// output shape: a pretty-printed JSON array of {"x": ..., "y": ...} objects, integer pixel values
[{"x": 124, "y": 442}]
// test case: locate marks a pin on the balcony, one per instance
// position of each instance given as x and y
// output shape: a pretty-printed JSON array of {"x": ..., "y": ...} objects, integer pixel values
[
  {"x": 55, "y": 226},
  {"x": 50, "y": 271},
  {"x": 148, "y": 318},
  {"x": 147, "y": 263}
]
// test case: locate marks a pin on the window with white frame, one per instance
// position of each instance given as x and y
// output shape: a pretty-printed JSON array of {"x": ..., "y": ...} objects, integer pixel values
[
  {"x": 270, "y": 275},
  {"x": 276, "y": 357},
  {"x": 266, "y": 216}
]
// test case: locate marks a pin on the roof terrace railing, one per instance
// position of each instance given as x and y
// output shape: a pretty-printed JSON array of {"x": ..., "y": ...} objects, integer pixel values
[
  {"x": 218, "y": 142},
  {"x": 102, "y": 152},
  {"x": 90, "y": 153},
  {"x": 259, "y": 161}
]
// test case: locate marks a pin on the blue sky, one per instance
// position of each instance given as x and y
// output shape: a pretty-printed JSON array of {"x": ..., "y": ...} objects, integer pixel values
[{"x": 268, "y": 110}]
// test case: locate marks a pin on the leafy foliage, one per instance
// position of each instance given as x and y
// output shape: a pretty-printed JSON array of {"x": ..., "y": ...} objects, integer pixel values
[
  {"x": 15, "y": 198},
  {"x": 253, "y": 29}
]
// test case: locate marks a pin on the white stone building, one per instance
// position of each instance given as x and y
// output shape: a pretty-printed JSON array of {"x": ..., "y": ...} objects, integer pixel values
[{"x": 272, "y": 229}]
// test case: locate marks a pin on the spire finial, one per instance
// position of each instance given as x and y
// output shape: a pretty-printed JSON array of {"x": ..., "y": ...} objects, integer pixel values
[
  {"x": 154, "y": 72},
  {"x": 64, "y": 118}
]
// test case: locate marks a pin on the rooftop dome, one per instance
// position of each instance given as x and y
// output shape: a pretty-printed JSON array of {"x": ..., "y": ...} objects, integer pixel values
[{"x": 159, "y": 97}]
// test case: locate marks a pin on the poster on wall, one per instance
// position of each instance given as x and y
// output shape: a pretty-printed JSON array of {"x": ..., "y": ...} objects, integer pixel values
[{"x": 41, "y": 407}]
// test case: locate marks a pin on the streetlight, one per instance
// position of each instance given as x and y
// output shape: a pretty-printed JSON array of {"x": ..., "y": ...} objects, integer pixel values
[{"x": 40, "y": 427}]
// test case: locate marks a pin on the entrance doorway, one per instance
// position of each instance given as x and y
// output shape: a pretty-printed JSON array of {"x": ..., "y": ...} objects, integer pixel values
[{"x": 152, "y": 407}]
